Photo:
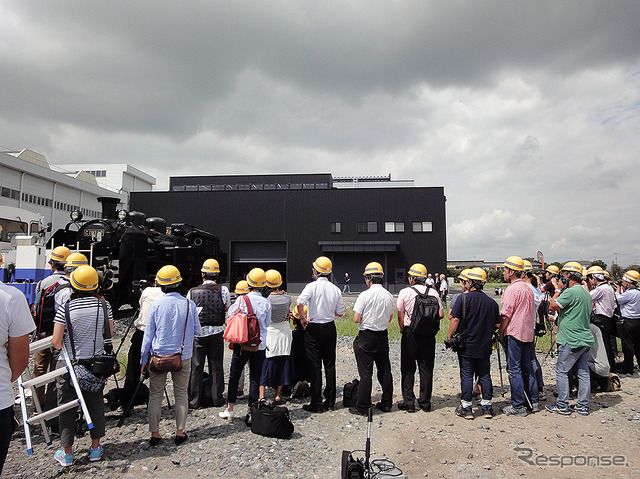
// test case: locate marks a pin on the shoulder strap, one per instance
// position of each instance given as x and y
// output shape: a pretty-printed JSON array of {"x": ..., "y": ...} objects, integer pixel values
[
  {"x": 247, "y": 301},
  {"x": 463, "y": 320},
  {"x": 70, "y": 329},
  {"x": 184, "y": 333}
]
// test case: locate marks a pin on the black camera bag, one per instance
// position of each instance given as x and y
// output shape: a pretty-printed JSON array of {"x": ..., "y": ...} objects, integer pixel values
[
  {"x": 350, "y": 393},
  {"x": 271, "y": 421}
]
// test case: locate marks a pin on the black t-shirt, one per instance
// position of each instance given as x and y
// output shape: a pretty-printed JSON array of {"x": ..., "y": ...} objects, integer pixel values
[{"x": 482, "y": 315}]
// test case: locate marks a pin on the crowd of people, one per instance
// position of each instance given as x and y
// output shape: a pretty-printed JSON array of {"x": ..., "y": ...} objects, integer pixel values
[
  {"x": 586, "y": 314},
  {"x": 177, "y": 334}
]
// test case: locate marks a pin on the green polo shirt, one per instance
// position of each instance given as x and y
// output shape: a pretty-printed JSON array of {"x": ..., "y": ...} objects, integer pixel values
[{"x": 574, "y": 317}]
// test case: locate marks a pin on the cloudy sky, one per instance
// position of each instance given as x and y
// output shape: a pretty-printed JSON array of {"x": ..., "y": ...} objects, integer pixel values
[{"x": 526, "y": 112}]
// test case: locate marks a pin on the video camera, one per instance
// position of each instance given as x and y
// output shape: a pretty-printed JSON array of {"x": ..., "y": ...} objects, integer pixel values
[{"x": 455, "y": 343}]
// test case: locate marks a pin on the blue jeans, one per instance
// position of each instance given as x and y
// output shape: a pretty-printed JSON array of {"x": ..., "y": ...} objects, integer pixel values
[
  {"x": 567, "y": 358},
  {"x": 482, "y": 369},
  {"x": 519, "y": 367}
]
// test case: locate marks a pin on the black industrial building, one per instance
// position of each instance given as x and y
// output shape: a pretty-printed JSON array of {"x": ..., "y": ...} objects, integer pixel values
[{"x": 286, "y": 221}]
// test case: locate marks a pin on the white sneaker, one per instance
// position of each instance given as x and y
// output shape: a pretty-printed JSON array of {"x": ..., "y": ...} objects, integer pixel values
[{"x": 227, "y": 414}]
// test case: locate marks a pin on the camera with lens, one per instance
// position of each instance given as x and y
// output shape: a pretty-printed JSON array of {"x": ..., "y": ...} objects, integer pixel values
[
  {"x": 540, "y": 330},
  {"x": 455, "y": 343}
]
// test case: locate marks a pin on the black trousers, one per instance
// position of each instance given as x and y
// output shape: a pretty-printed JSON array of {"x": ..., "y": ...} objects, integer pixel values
[
  {"x": 7, "y": 424},
  {"x": 373, "y": 347},
  {"x": 630, "y": 344},
  {"x": 133, "y": 367},
  {"x": 420, "y": 351},
  {"x": 210, "y": 348},
  {"x": 320, "y": 342},
  {"x": 238, "y": 359},
  {"x": 608, "y": 328}
]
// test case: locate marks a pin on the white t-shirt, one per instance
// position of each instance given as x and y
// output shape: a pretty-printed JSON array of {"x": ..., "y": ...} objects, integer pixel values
[
  {"x": 15, "y": 321},
  {"x": 376, "y": 307}
]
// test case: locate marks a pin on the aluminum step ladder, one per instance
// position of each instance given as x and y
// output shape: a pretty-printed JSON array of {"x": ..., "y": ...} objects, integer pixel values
[{"x": 30, "y": 382}]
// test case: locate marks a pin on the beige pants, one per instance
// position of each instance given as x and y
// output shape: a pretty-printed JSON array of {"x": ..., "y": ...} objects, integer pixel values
[{"x": 157, "y": 382}]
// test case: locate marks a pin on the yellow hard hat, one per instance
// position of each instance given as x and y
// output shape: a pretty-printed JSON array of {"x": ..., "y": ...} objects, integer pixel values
[
  {"x": 210, "y": 266},
  {"x": 168, "y": 275},
  {"x": 242, "y": 287},
  {"x": 84, "y": 278},
  {"x": 418, "y": 270},
  {"x": 595, "y": 270},
  {"x": 59, "y": 254},
  {"x": 606, "y": 274},
  {"x": 464, "y": 275},
  {"x": 515, "y": 263},
  {"x": 76, "y": 259},
  {"x": 553, "y": 269},
  {"x": 256, "y": 278},
  {"x": 322, "y": 265},
  {"x": 477, "y": 274},
  {"x": 274, "y": 278},
  {"x": 295, "y": 311},
  {"x": 527, "y": 265},
  {"x": 572, "y": 267},
  {"x": 373, "y": 268},
  {"x": 631, "y": 276}
]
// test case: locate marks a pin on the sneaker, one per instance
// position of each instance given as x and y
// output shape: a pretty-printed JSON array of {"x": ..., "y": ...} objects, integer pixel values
[
  {"x": 240, "y": 395},
  {"x": 65, "y": 460},
  {"x": 95, "y": 454},
  {"x": 464, "y": 412},
  {"x": 582, "y": 410},
  {"x": 542, "y": 396},
  {"x": 227, "y": 414},
  {"x": 487, "y": 412},
  {"x": 514, "y": 411},
  {"x": 535, "y": 407},
  {"x": 565, "y": 411}
]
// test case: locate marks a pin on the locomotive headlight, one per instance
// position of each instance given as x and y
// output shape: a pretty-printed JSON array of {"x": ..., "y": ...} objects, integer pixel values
[
  {"x": 122, "y": 215},
  {"x": 76, "y": 215}
]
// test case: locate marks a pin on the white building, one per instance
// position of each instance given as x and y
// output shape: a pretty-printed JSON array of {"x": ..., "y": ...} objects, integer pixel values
[
  {"x": 116, "y": 177},
  {"x": 28, "y": 181}
]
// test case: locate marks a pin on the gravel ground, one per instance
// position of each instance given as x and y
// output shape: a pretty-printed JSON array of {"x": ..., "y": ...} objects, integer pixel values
[{"x": 435, "y": 444}]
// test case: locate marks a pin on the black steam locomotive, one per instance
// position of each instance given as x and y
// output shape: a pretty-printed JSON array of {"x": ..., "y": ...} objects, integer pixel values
[{"x": 127, "y": 249}]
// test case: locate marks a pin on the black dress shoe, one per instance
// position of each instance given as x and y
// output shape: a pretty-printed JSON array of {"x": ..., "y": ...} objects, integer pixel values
[
  {"x": 357, "y": 412},
  {"x": 155, "y": 441},
  {"x": 311, "y": 408},
  {"x": 403, "y": 406},
  {"x": 180, "y": 439},
  {"x": 329, "y": 406},
  {"x": 383, "y": 408}
]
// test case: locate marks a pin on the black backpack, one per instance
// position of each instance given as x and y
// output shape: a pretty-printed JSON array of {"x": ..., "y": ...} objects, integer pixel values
[
  {"x": 44, "y": 311},
  {"x": 425, "y": 318}
]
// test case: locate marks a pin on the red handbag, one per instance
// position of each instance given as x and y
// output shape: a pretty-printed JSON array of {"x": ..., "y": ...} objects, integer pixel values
[{"x": 237, "y": 331}]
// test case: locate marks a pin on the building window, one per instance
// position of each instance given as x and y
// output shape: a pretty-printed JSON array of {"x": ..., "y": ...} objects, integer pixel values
[
  {"x": 336, "y": 227},
  {"x": 394, "y": 227},
  {"x": 367, "y": 227},
  {"x": 422, "y": 227}
]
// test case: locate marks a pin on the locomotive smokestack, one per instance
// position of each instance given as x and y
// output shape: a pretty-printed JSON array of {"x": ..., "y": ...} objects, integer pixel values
[{"x": 109, "y": 207}]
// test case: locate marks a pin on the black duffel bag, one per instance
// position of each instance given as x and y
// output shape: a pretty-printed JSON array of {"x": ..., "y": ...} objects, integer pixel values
[
  {"x": 350, "y": 393},
  {"x": 271, "y": 421}
]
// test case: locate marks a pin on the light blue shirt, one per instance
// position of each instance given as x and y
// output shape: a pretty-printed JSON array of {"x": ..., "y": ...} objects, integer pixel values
[
  {"x": 261, "y": 308},
  {"x": 165, "y": 327},
  {"x": 629, "y": 302}
]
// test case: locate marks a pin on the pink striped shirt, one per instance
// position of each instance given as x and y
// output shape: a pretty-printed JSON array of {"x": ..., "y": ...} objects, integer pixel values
[{"x": 518, "y": 306}]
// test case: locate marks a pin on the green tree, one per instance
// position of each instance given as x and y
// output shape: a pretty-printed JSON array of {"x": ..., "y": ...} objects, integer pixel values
[
  {"x": 600, "y": 263},
  {"x": 616, "y": 272},
  {"x": 634, "y": 267}
]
